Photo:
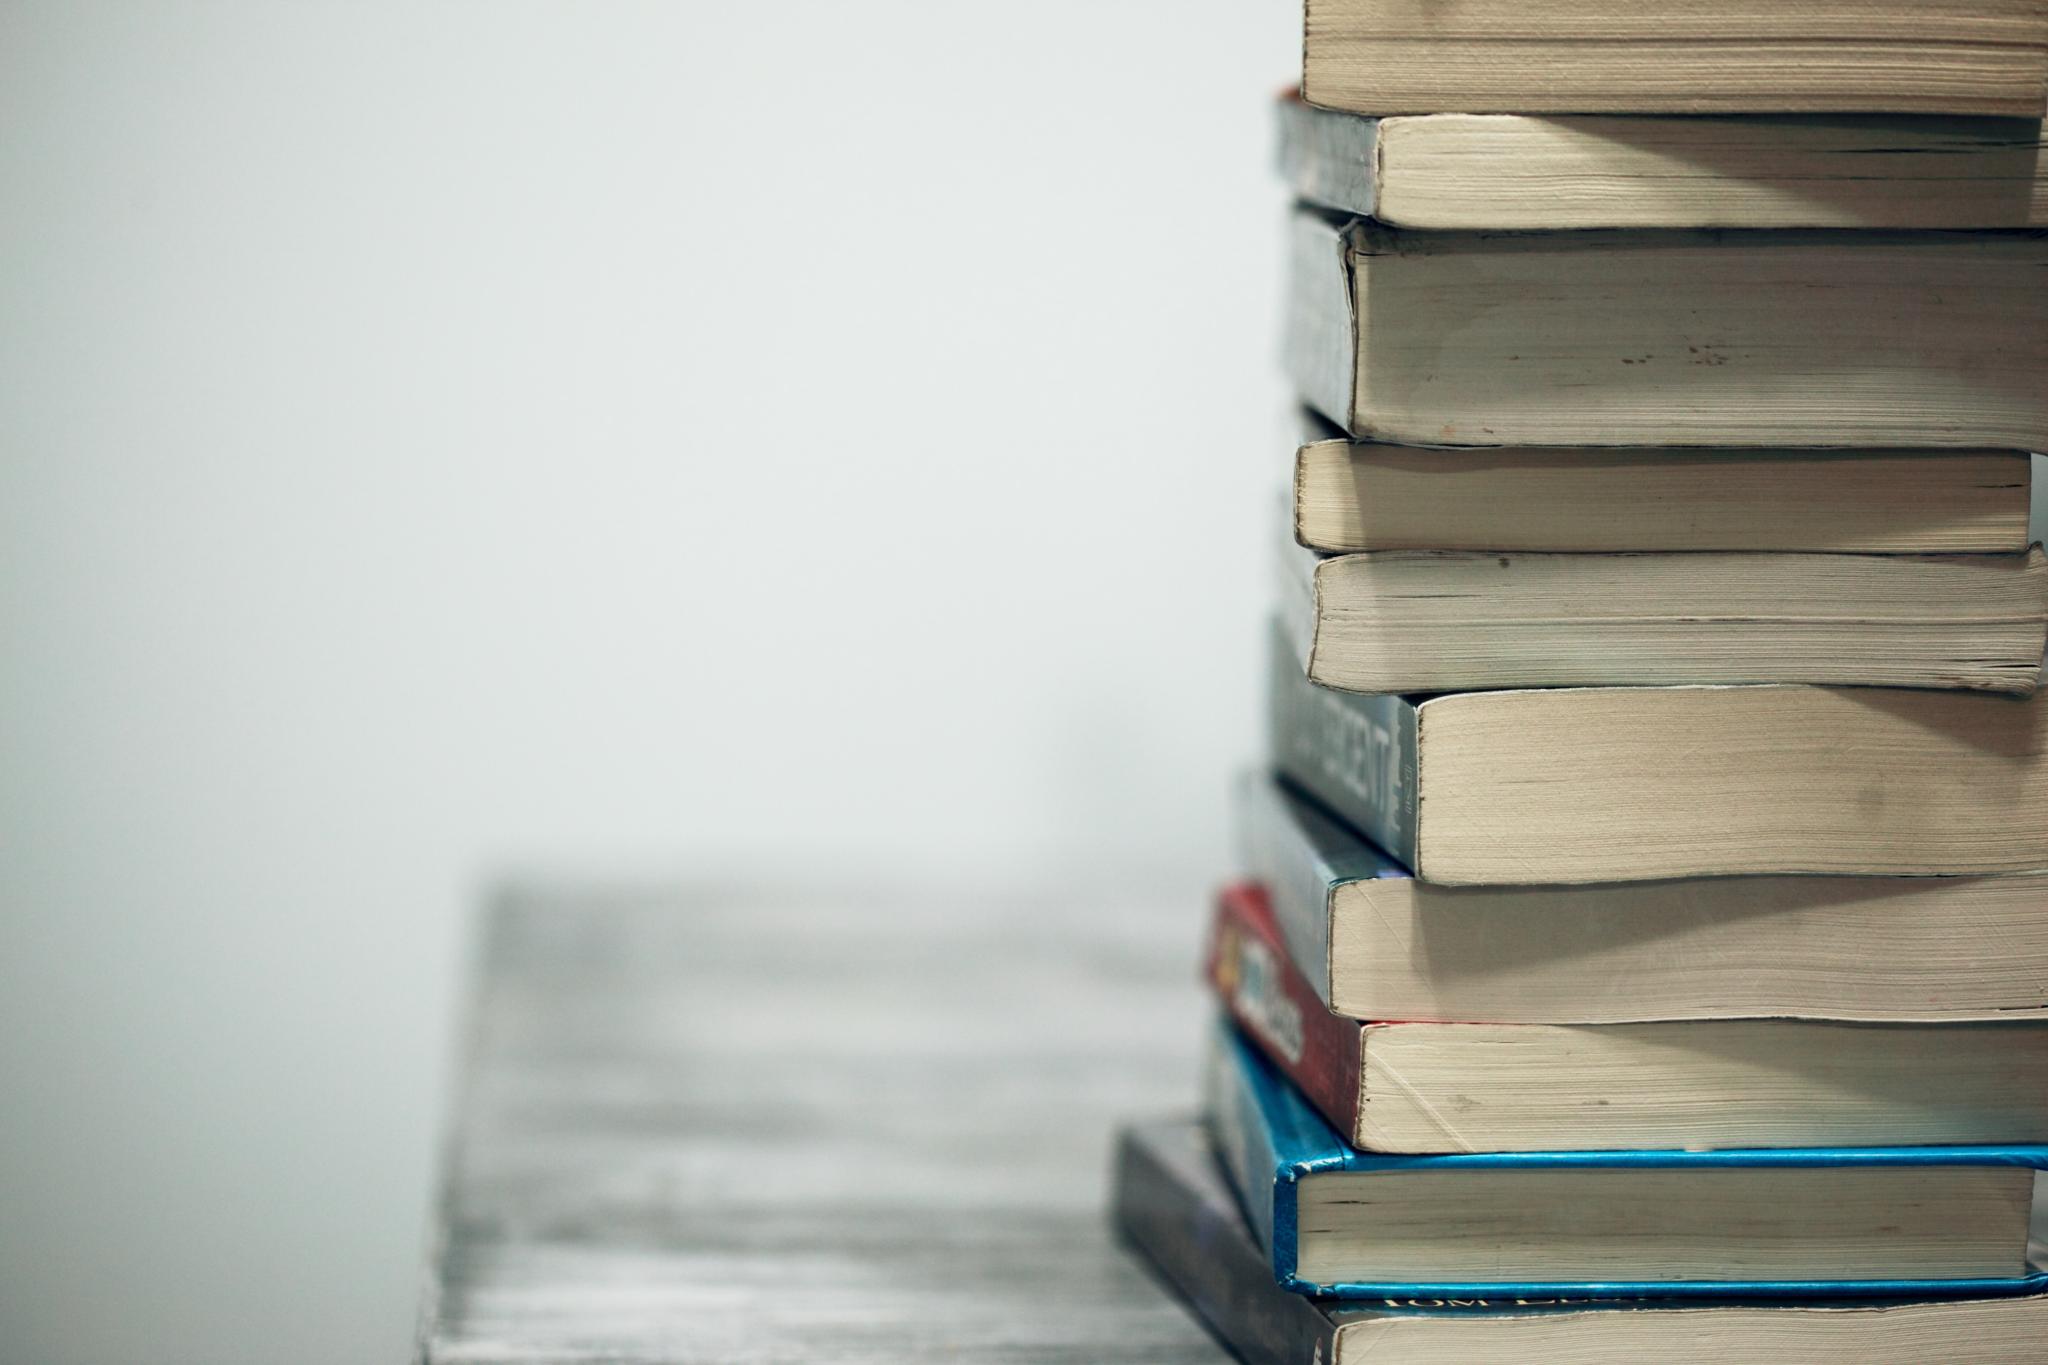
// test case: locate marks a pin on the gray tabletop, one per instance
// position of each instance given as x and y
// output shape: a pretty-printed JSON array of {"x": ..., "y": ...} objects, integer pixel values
[{"x": 707, "y": 1126}]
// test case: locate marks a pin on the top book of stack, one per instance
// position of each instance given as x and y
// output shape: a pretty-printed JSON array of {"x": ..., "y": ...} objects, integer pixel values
[{"x": 1677, "y": 56}]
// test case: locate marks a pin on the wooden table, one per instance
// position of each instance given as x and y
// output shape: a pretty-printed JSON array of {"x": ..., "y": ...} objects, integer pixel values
[{"x": 736, "y": 1127}]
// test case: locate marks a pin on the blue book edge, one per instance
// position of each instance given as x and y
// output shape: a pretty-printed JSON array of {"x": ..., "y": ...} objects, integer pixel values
[{"x": 1268, "y": 1138}]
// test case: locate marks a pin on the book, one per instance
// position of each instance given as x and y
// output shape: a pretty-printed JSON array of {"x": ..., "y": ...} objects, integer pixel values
[
  {"x": 1602, "y": 784},
  {"x": 1516, "y": 171},
  {"x": 1795, "y": 1222},
  {"x": 1372, "y": 942},
  {"x": 1458, "y": 620},
  {"x": 1676, "y": 56},
  {"x": 1171, "y": 1206},
  {"x": 1671, "y": 337},
  {"x": 1351, "y": 496},
  {"x": 1501, "y": 1087}
]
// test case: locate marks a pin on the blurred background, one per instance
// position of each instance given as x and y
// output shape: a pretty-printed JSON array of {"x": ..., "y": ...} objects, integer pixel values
[{"x": 438, "y": 442}]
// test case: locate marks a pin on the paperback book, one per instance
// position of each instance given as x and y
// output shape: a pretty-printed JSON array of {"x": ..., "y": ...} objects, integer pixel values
[
  {"x": 1522, "y": 171},
  {"x": 1491, "y": 1087},
  {"x": 1600, "y": 784},
  {"x": 1373, "y": 942},
  {"x": 1363, "y": 496},
  {"x": 1462, "y": 620},
  {"x": 1671, "y": 337}
]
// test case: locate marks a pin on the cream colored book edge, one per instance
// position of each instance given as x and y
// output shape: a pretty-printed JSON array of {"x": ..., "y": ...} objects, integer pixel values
[
  {"x": 1954, "y": 1332},
  {"x": 1737, "y": 57},
  {"x": 1647, "y": 783},
  {"x": 1854, "y": 949},
  {"x": 1409, "y": 621},
  {"x": 1358, "y": 496},
  {"x": 1729, "y": 1083},
  {"x": 1651, "y": 1224}
]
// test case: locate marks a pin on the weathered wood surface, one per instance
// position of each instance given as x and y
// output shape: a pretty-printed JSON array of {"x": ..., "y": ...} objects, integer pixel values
[{"x": 735, "y": 1128}]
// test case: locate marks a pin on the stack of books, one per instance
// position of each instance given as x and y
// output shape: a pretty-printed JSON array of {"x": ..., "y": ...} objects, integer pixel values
[{"x": 1642, "y": 947}]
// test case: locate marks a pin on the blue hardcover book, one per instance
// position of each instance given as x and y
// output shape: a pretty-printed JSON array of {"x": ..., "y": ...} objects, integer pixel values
[
  {"x": 1805, "y": 1223},
  {"x": 1172, "y": 1206}
]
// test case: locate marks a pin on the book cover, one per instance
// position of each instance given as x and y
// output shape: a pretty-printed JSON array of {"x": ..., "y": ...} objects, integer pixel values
[
  {"x": 1252, "y": 973},
  {"x": 1353, "y": 751},
  {"x": 1169, "y": 1204},
  {"x": 1298, "y": 855},
  {"x": 1172, "y": 1207},
  {"x": 1268, "y": 1138},
  {"x": 1327, "y": 157}
]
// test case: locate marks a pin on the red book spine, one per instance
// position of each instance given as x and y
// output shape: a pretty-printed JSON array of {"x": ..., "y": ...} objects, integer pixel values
[{"x": 1271, "y": 1000}]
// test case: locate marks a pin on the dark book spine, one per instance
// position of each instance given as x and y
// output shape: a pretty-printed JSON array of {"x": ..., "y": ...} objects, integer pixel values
[
  {"x": 1320, "y": 336},
  {"x": 1329, "y": 158},
  {"x": 1353, "y": 751},
  {"x": 1278, "y": 1009},
  {"x": 1236, "y": 1121},
  {"x": 1273, "y": 854},
  {"x": 1171, "y": 1214}
]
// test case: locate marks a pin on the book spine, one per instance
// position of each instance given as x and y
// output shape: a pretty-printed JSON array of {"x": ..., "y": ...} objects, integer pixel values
[
  {"x": 1329, "y": 158},
  {"x": 1296, "y": 607},
  {"x": 1251, "y": 971},
  {"x": 1201, "y": 1250},
  {"x": 1235, "y": 1116},
  {"x": 1273, "y": 853},
  {"x": 1320, "y": 334},
  {"x": 1353, "y": 751}
]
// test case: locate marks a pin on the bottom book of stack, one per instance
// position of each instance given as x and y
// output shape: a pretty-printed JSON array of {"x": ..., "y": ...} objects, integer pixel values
[{"x": 1173, "y": 1205}]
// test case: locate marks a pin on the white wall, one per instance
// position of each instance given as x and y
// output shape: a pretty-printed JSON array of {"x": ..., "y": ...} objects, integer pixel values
[{"x": 439, "y": 438}]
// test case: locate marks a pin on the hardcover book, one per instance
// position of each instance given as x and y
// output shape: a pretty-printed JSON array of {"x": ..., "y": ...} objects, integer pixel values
[
  {"x": 1676, "y": 56},
  {"x": 1172, "y": 1207},
  {"x": 1514, "y": 171},
  {"x": 1372, "y": 942},
  {"x": 1493, "y": 1087},
  {"x": 1584, "y": 784},
  {"x": 1645, "y": 338},
  {"x": 1769, "y": 1223}
]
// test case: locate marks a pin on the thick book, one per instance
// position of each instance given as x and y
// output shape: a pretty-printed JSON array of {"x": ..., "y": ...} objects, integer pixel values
[
  {"x": 1505, "y": 172},
  {"x": 1677, "y": 56},
  {"x": 1460, "y": 620},
  {"x": 1598, "y": 784},
  {"x": 1170, "y": 1204},
  {"x": 1421, "y": 1087},
  {"x": 1351, "y": 496},
  {"x": 1373, "y": 942},
  {"x": 1798, "y": 1222},
  {"x": 1670, "y": 337}
]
